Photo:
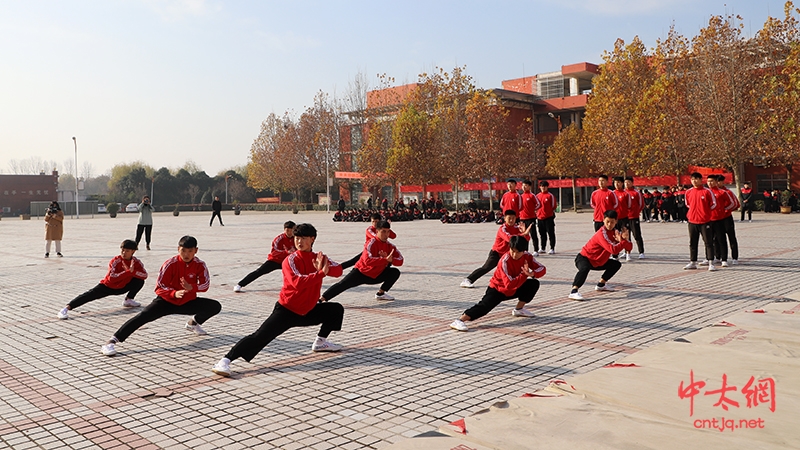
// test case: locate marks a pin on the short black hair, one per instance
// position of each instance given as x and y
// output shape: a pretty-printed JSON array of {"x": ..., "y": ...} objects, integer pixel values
[
  {"x": 746, "y": 182},
  {"x": 289, "y": 224},
  {"x": 611, "y": 214},
  {"x": 629, "y": 179},
  {"x": 696, "y": 175},
  {"x": 603, "y": 176},
  {"x": 305, "y": 230},
  {"x": 620, "y": 179},
  {"x": 383, "y": 224},
  {"x": 376, "y": 216},
  {"x": 528, "y": 182},
  {"x": 509, "y": 212},
  {"x": 721, "y": 178},
  {"x": 187, "y": 242},
  {"x": 129, "y": 244},
  {"x": 544, "y": 183},
  {"x": 518, "y": 243},
  {"x": 511, "y": 180}
]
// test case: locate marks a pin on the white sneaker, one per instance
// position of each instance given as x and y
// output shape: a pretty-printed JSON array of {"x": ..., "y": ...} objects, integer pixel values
[
  {"x": 196, "y": 329},
  {"x": 724, "y": 264},
  {"x": 691, "y": 265},
  {"x": 712, "y": 268},
  {"x": 614, "y": 257},
  {"x": 108, "y": 350},
  {"x": 130, "y": 303},
  {"x": 324, "y": 345},
  {"x": 576, "y": 296},
  {"x": 703, "y": 262},
  {"x": 551, "y": 251},
  {"x": 605, "y": 288},
  {"x": 521, "y": 313},
  {"x": 735, "y": 262},
  {"x": 716, "y": 262},
  {"x": 63, "y": 314},
  {"x": 467, "y": 284},
  {"x": 384, "y": 296},
  {"x": 223, "y": 367},
  {"x": 627, "y": 256},
  {"x": 535, "y": 254},
  {"x": 641, "y": 255},
  {"x": 459, "y": 325},
  {"x": 236, "y": 288}
]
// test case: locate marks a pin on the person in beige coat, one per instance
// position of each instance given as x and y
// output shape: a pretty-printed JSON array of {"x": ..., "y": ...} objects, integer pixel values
[{"x": 53, "y": 228}]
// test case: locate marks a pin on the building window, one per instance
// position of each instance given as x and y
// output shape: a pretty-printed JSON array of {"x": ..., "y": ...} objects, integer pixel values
[{"x": 770, "y": 182}]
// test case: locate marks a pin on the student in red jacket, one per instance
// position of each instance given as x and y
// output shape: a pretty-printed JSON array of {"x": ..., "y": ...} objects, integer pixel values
[
  {"x": 728, "y": 224},
  {"x": 514, "y": 277},
  {"x": 180, "y": 279},
  {"x": 125, "y": 275},
  {"x": 746, "y": 196},
  {"x": 596, "y": 255},
  {"x": 527, "y": 214},
  {"x": 370, "y": 233},
  {"x": 700, "y": 201},
  {"x": 282, "y": 246},
  {"x": 509, "y": 228},
  {"x": 511, "y": 199},
  {"x": 298, "y": 305},
  {"x": 546, "y": 217},
  {"x": 373, "y": 267},
  {"x": 634, "y": 225},
  {"x": 602, "y": 200}
]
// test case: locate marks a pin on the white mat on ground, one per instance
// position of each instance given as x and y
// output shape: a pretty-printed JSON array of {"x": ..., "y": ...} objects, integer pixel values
[{"x": 645, "y": 400}]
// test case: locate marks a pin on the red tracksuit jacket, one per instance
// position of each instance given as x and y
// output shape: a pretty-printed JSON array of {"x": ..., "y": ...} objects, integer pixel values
[
  {"x": 637, "y": 203},
  {"x": 602, "y": 245},
  {"x": 511, "y": 200},
  {"x": 603, "y": 200},
  {"x": 503, "y": 236},
  {"x": 118, "y": 276},
  {"x": 548, "y": 202},
  {"x": 302, "y": 282},
  {"x": 194, "y": 272},
  {"x": 282, "y": 246},
  {"x": 700, "y": 203},
  {"x": 529, "y": 206},
  {"x": 508, "y": 276},
  {"x": 623, "y": 203},
  {"x": 371, "y": 263}
]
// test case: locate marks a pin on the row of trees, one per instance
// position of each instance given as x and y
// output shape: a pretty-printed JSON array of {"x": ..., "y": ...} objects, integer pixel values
[
  {"x": 445, "y": 130},
  {"x": 131, "y": 181},
  {"x": 719, "y": 99}
]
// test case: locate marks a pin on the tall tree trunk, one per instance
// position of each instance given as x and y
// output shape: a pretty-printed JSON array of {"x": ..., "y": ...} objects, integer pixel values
[
  {"x": 574, "y": 196},
  {"x": 491, "y": 197}
]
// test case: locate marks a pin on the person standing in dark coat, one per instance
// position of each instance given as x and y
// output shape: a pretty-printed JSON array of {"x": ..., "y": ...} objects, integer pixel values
[{"x": 216, "y": 206}]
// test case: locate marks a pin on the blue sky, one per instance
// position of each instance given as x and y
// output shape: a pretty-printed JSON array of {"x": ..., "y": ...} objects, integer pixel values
[{"x": 166, "y": 81}]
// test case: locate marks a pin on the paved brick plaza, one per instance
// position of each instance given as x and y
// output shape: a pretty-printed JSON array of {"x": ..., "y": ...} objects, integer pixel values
[{"x": 403, "y": 371}]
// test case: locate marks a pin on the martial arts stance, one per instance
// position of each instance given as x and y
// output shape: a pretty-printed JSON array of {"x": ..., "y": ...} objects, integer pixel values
[
  {"x": 125, "y": 275},
  {"x": 282, "y": 246},
  {"x": 508, "y": 229},
  {"x": 180, "y": 279},
  {"x": 373, "y": 267},
  {"x": 297, "y": 306},
  {"x": 596, "y": 255},
  {"x": 514, "y": 277}
]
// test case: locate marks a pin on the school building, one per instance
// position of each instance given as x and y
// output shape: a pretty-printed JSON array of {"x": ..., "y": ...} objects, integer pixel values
[
  {"x": 18, "y": 191},
  {"x": 547, "y": 102}
]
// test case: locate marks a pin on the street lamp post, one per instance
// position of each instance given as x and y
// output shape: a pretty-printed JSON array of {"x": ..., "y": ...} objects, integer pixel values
[
  {"x": 77, "y": 210},
  {"x": 226, "y": 188}
]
